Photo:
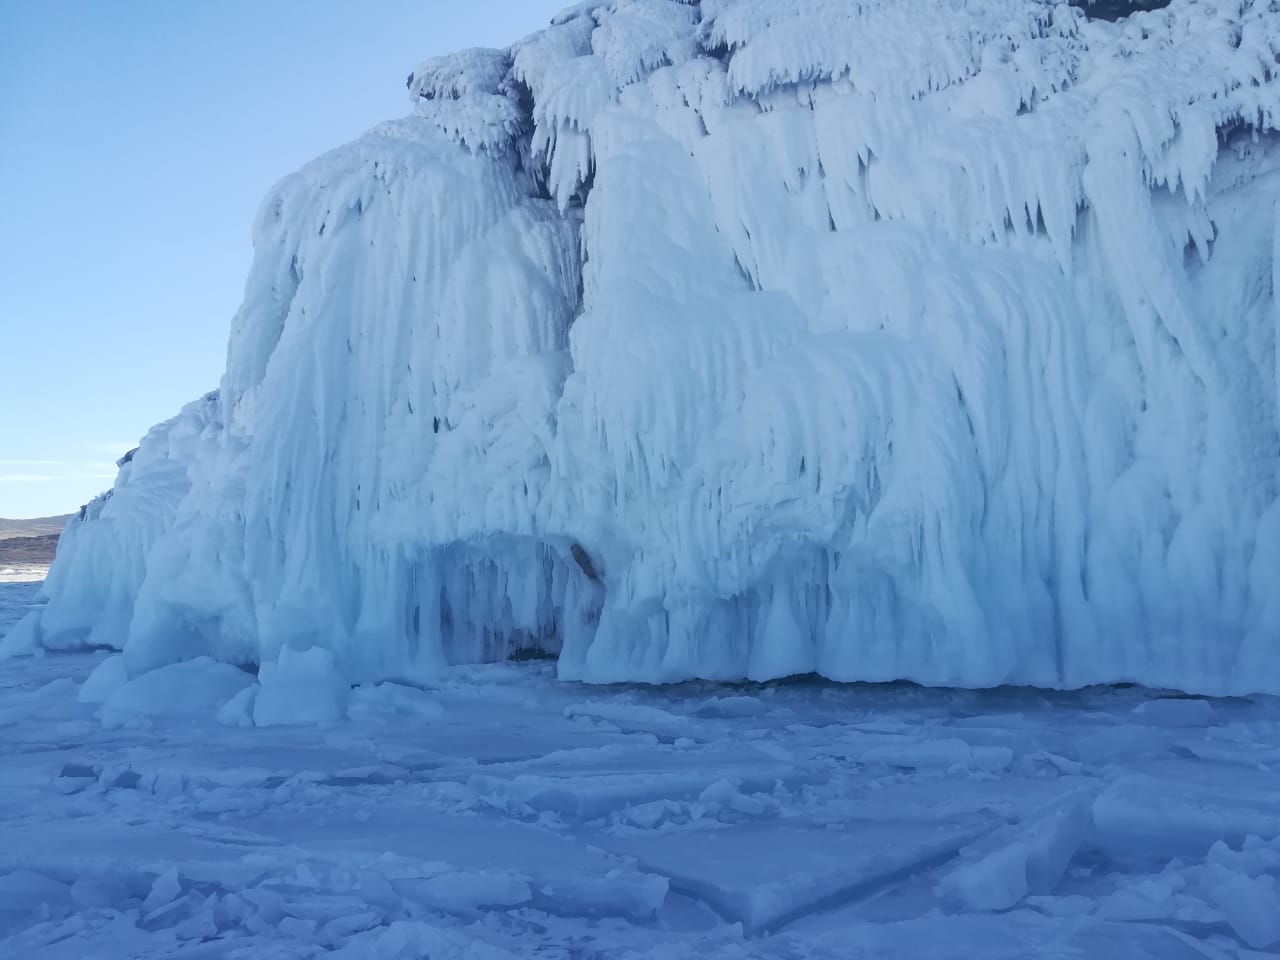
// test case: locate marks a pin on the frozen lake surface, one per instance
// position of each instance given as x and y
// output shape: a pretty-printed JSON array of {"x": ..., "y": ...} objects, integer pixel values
[
  {"x": 503, "y": 814},
  {"x": 18, "y": 589},
  {"x": 28, "y": 573}
]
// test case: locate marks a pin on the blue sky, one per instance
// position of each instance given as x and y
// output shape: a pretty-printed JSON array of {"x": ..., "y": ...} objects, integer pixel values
[{"x": 136, "y": 140}]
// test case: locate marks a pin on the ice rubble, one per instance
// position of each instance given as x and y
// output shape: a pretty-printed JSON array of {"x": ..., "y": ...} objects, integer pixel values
[{"x": 889, "y": 339}]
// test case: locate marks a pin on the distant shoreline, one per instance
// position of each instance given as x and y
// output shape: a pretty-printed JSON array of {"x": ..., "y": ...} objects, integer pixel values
[
  {"x": 34, "y": 527},
  {"x": 27, "y": 547},
  {"x": 28, "y": 551}
]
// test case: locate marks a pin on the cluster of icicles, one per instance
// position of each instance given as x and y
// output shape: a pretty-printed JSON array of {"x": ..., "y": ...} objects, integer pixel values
[{"x": 889, "y": 339}]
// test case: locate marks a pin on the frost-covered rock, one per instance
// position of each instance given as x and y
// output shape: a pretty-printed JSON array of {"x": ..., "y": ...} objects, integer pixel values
[
  {"x": 1182, "y": 712},
  {"x": 383, "y": 700},
  {"x": 25, "y": 892},
  {"x": 891, "y": 339},
  {"x": 192, "y": 689},
  {"x": 238, "y": 711},
  {"x": 302, "y": 686},
  {"x": 1251, "y": 905},
  {"x": 1020, "y": 860},
  {"x": 107, "y": 677}
]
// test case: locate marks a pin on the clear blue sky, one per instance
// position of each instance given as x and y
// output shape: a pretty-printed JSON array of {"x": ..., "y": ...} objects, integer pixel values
[{"x": 136, "y": 140}]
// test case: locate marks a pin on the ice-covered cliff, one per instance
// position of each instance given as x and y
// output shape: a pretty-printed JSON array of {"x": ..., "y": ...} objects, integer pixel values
[{"x": 928, "y": 339}]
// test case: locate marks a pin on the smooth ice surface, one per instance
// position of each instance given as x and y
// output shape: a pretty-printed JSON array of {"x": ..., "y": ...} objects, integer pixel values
[
  {"x": 496, "y": 812},
  {"x": 891, "y": 339}
]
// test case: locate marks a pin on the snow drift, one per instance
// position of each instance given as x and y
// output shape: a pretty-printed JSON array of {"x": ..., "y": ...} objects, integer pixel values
[{"x": 927, "y": 339}]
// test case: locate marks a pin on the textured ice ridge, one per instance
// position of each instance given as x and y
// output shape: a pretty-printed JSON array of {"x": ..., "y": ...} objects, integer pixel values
[{"x": 883, "y": 339}]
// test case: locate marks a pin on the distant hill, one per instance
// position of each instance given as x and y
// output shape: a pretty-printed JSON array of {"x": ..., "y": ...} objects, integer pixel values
[
  {"x": 39, "y": 527},
  {"x": 28, "y": 551}
]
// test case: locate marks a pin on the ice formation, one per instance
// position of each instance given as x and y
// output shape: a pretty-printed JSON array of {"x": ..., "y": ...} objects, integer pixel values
[{"x": 927, "y": 339}]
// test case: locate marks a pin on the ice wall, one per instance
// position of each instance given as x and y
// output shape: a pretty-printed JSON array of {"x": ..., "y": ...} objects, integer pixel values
[{"x": 927, "y": 339}]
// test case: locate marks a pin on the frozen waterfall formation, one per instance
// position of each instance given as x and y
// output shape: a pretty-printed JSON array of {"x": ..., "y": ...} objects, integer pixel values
[{"x": 927, "y": 339}]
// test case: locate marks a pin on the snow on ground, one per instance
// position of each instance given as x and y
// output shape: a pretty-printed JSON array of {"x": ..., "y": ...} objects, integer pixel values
[{"x": 499, "y": 813}]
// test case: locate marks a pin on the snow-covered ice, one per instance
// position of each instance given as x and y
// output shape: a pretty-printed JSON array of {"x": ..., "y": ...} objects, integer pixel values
[
  {"x": 898, "y": 339},
  {"x": 496, "y": 812}
]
